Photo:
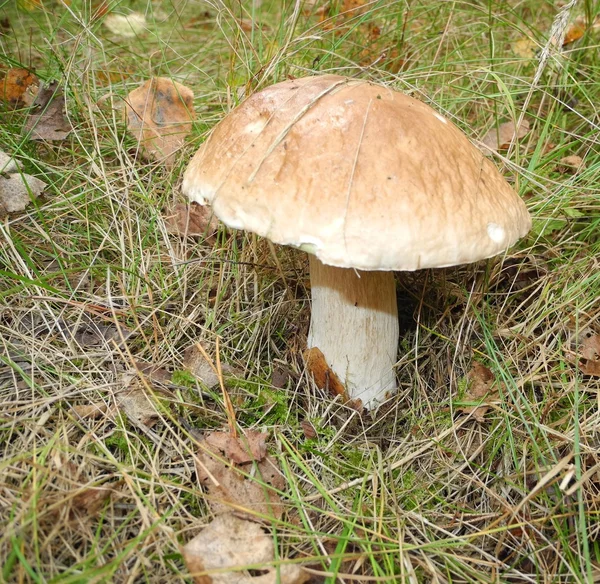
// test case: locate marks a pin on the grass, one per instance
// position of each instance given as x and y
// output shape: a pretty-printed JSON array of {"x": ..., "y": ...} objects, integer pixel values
[{"x": 416, "y": 492}]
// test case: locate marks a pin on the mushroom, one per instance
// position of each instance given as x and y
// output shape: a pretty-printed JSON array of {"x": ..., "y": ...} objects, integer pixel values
[{"x": 367, "y": 181}]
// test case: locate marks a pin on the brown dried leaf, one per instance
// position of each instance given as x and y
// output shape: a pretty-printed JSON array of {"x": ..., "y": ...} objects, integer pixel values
[
  {"x": 228, "y": 487},
  {"x": 93, "y": 334},
  {"x": 195, "y": 362},
  {"x": 15, "y": 84},
  {"x": 590, "y": 356},
  {"x": 138, "y": 406},
  {"x": 324, "y": 377},
  {"x": 48, "y": 121},
  {"x": 230, "y": 543},
  {"x": 246, "y": 24},
  {"x": 153, "y": 373},
  {"x": 192, "y": 220},
  {"x": 159, "y": 115},
  {"x": 571, "y": 164},
  {"x": 242, "y": 449},
  {"x": 481, "y": 382},
  {"x": 574, "y": 32},
  {"x": 90, "y": 411},
  {"x": 308, "y": 429},
  {"x": 282, "y": 375},
  {"x": 500, "y": 138},
  {"x": 91, "y": 499},
  {"x": 8, "y": 165}
]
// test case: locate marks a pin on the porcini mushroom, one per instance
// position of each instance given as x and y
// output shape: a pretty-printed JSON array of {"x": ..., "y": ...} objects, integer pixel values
[{"x": 366, "y": 180}]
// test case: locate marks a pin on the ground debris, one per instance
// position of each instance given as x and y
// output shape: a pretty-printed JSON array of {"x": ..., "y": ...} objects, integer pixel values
[
  {"x": 143, "y": 385},
  {"x": 192, "y": 220},
  {"x": 235, "y": 485},
  {"x": 219, "y": 553},
  {"x": 47, "y": 121},
  {"x": 500, "y": 137},
  {"x": 17, "y": 87},
  {"x": 197, "y": 364},
  {"x": 589, "y": 363},
  {"x": 480, "y": 389},
  {"x": 572, "y": 164},
  {"x": 17, "y": 190},
  {"x": 159, "y": 115}
]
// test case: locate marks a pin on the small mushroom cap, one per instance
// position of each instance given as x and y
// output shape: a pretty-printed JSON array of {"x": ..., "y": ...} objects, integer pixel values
[{"x": 358, "y": 174}]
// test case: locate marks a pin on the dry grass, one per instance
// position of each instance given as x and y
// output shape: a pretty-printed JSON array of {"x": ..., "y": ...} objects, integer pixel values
[{"x": 91, "y": 283}]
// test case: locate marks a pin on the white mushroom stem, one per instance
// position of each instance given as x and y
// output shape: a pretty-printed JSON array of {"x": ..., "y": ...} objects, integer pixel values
[{"x": 354, "y": 322}]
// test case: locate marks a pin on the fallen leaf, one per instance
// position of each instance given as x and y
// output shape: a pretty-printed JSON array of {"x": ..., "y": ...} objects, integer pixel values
[
  {"x": 142, "y": 385},
  {"x": 48, "y": 121},
  {"x": 159, "y": 115},
  {"x": 589, "y": 363},
  {"x": 153, "y": 373},
  {"x": 8, "y": 165},
  {"x": 308, "y": 429},
  {"x": 126, "y": 25},
  {"x": 137, "y": 405},
  {"x": 90, "y": 411},
  {"x": 324, "y": 377},
  {"x": 251, "y": 446},
  {"x": 68, "y": 495},
  {"x": 282, "y": 375},
  {"x": 218, "y": 554},
  {"x": 195, "y": 362},
  {"x": 17, "y": 189},
  {"x": 246, "y": 24},
  {"x": 500, "y": 138},
  {"x": 93, "y": 334},
  {"x": 481, "y": 381},
  {"x": 192, "y": 220},
  {"x": 15, "y": 84},
  {"x": 525, "y": 48},
  {"x": 574, "y": 32},
  {"x": 90, "y": 500},
  {"x": 570, "y": 164},
  {"x": 228, "y": 486}
]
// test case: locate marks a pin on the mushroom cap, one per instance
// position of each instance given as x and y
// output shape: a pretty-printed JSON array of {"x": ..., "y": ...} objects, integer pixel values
[{"x": 358, "y": 174}]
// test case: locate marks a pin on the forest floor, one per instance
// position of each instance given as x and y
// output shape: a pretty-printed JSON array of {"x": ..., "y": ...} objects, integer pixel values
[{"x": 107, "y": 400}]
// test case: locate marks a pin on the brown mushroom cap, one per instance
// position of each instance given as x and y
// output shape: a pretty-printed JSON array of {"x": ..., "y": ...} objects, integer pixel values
[{"x": 358, "y": 174}]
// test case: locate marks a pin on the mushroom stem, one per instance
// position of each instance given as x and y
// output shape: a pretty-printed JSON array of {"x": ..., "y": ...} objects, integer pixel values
[{"x": 354, "y": 322}]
